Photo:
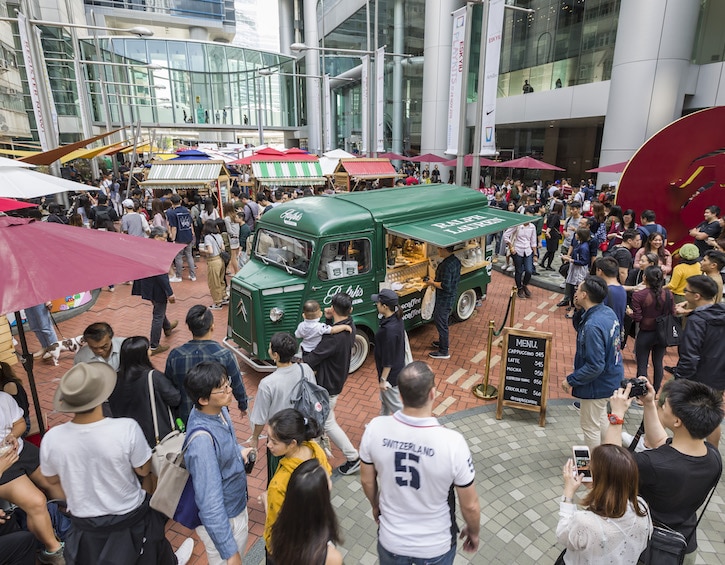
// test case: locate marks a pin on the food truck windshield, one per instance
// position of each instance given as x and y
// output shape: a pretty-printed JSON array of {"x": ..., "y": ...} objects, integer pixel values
[{"x": 289, "y": 253}]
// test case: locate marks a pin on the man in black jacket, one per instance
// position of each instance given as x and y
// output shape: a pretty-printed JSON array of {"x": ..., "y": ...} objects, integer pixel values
[
  {"x": 158, "y": 290},
  {"x": 702, "y": 347},
  {"x": 331, "y": 360}
]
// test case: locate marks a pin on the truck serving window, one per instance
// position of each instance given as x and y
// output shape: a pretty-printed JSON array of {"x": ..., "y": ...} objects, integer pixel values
[
  {"x": 290, "y": 253},
  {"x": 343, "y": 259}
]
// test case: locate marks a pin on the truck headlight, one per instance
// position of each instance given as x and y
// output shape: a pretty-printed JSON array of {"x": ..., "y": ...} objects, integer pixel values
[{"x": 275, "y": 314}]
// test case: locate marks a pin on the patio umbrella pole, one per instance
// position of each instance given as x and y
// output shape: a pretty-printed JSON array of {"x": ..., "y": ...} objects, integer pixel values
[{"x": 27, "y": 360}]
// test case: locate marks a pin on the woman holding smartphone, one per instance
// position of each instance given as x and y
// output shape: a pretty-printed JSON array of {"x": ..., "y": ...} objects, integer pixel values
[{"x": 614, "y": 525}]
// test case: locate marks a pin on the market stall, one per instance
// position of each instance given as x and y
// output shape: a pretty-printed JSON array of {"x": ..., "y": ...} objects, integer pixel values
[
  {"x": 361, "y": 173},
  {"x": 295, "y": 174},
  {"x": 205, "y": 178}
]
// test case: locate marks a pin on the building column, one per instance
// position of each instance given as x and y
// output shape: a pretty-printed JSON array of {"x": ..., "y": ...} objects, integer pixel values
[
  {"x": 436, "y": 73},
  {"x": 312, "y": 85},
  {"x": 286, "y": 25},
  {"x": 651, "y": 59},
  {"x": 398, "y": 47}
]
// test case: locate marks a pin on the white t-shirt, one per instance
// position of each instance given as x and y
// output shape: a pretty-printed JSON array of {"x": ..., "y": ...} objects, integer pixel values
[
  {"x": 417, "y": 461},
  {"x": 95, "y": 463},
  {"x": 311, "y": 332},
  {"x": 274, "y": 392},
  {"x": 10, "y": 413}
]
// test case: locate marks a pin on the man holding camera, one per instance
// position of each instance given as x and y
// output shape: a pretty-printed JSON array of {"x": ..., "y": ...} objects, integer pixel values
[
  {"x": 691, "y": 410},
  {"x": 598, "y": 368}
]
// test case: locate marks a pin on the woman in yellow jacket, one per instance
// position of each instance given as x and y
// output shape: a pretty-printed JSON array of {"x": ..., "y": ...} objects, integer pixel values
[{"x": 289, "y": 436}]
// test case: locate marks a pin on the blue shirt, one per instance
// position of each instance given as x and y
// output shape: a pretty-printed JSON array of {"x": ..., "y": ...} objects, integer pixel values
[
  {"x": 180, "y": 218},
  {"x": 189, "y": 355},
  {"x": 216, "y": 467},
  {"x": 448, "y": 274}
]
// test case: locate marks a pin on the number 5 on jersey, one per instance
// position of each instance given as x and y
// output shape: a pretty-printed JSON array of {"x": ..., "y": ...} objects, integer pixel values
[{"x": 406, "y": 475}]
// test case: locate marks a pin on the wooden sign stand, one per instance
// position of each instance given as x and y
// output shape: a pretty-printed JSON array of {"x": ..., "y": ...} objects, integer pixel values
[{"x": 524, "y": 381}]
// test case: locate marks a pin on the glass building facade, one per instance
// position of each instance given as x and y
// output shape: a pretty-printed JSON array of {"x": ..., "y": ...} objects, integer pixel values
[{"x": 219, "y": 10}]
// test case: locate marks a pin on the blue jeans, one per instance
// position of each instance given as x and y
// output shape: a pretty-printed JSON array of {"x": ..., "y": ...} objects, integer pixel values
[
  {"x": 524, "y": 265},
  {"x": 441, "y": 312},
  {"x": 179, "y": 261},
  {"x": 497, "y": 237},
  {"x": 387, "y": 558},
  {"x": 40, "y": 323}
]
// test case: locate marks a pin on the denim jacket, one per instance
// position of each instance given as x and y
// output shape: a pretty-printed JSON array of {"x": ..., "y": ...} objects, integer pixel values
[
  {"x": 217, "y": 471},
  {"x": 598, "y": 368}
]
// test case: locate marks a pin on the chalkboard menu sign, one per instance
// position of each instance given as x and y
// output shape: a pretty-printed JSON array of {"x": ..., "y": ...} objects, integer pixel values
[{"x": 524, "y": 380}]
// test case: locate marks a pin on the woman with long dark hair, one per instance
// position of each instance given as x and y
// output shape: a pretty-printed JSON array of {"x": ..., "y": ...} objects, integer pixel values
[
  {"x": 614, "y": 224},
  {"x": 389, "y": 349},
  {"x": 647, "y": 305},
  {"x": 656, "y": 244},
  {"x": 578, "y": 268},
  {"x": 131, "y": 399},
  {"x": 629, "y": 220},
  {"x": 158, "y": 215},
  {"x": 553, "y": 234},
  {"x": 306, "y": 529},
  {"x": 289, "y": 436},
  {"x": 614, "y": 525}
]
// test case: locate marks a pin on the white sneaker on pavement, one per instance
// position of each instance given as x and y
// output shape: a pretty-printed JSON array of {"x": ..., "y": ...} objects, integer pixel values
[
  {"x": 174, "y": 279},
  {"x": 183, "y": 554}
]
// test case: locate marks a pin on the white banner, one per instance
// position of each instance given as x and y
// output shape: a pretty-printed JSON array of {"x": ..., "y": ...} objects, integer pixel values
[
  {"x": 490, "y": 85},
  {"x": 328, "y": 112},
  {"x": 55, "y": 139},
  {"x": 380, "y": 99},
  {"x": 456, "y": 79},
  {"x": 365, "y": 103},
  {"x": 35, "y": 82}
]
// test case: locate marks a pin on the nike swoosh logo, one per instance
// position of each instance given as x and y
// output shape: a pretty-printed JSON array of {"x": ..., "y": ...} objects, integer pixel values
[{"x": 490, "y": 112}]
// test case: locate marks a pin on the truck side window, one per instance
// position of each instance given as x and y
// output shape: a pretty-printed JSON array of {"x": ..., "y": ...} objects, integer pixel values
[{"x": 342, "y": 259}]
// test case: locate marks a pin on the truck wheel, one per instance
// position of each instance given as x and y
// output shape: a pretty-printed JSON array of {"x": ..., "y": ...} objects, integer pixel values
[
  {"x": 360, "y": 350},
  {"x": 465, "y": 306}
]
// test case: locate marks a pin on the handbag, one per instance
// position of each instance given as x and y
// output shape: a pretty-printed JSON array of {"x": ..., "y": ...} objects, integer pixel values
[
  {"x": 171, "y": 443},
  {"x": 175, "y": 496},
  {"x": 223, "y": 253},
  {"x": 428, "y": 304},
  {"x": 564, "y": 269},
  {"x": 669, "y": 326},
  {"x": 408, "y": 353}
]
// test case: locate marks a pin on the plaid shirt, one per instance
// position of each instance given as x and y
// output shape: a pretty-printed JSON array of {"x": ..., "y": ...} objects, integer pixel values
[
  {"x": 187, "y": 356},
  {"x": 448, "y": 274}
]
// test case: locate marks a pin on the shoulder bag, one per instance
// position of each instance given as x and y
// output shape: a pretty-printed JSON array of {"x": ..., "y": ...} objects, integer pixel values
[
  {"x": 669, "y": 326},
  {"x": 223, "y": 253},
  {"x": 175, "y": 496},
  {"x": 310, "y": 399},
  {"x": 171, "y": 443}
]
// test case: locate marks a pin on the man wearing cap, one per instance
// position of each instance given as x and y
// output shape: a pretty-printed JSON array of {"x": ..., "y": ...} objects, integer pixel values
[
  {"x": 132, "y": 222},
  {"x": 98, "y": 461},
  {"x": 448, "y": 275},
  {"x": 389, "y": 349},
  {"x": 157, "y": 289}
]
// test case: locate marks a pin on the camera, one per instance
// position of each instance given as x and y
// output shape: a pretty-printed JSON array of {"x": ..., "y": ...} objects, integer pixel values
[{"x": 639, "y": 387}]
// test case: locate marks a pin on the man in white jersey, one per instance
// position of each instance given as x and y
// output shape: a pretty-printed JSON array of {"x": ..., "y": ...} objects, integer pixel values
[{"x": 410, "y": 466}]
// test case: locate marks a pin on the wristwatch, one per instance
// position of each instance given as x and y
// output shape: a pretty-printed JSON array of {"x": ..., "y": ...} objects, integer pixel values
[{"x": 615, "y": 420}]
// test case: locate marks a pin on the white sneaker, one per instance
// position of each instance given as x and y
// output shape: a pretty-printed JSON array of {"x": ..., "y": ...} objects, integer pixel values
[
  {"x": 562, "y": 285},
  {"x": 511, "y": 268},
  {"x": 192, "y": 278},
  {"x": 183, "y": 554},
  {"x": 174, "y": 279}
]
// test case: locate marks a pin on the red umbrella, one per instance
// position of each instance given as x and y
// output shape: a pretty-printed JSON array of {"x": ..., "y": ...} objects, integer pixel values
[
  {"x": 393, "y": 156},
  {"x": 529, "y": 163},
  {"x": 428, "y": 158},
  {"x": 613, "y": 168},
  {"x": 7, "y": 204},
  {"x": 468, "y": 162},
  {"x": 269, "y": 155},
  {"x": 42, "y": 261}
]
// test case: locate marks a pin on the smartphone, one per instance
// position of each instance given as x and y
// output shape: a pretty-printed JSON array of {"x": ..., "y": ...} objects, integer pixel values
[{"x": 582, "y": 460}]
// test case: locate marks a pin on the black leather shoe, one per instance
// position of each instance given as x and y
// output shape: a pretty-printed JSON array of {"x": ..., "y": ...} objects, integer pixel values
[{"x": 563, "y": 303}]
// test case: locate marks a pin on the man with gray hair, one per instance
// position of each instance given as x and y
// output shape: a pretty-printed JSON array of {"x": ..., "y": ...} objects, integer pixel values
[
  {"x": 410, "y": 463},
  {"x": 158, "y": 290}
]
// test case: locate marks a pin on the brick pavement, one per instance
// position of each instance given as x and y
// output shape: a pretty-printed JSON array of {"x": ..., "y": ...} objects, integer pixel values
[{"x": 129, "y": 315}]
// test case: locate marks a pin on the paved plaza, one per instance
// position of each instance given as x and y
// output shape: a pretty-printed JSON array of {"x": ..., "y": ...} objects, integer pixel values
[{"x": 518, "y": 464}]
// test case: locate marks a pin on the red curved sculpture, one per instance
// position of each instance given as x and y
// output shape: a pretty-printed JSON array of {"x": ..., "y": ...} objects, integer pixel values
[{"x": 678, "y": 172}]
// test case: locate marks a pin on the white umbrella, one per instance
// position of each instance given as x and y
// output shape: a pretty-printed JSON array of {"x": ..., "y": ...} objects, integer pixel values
[
  {"x": 19, "y": 182},
  {"x": 338, "y": 154},
  {"x": 5, "y": 162}
]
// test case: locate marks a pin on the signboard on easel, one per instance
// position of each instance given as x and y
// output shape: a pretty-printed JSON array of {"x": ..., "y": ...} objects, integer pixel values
[{"x": 524, "y": 382}]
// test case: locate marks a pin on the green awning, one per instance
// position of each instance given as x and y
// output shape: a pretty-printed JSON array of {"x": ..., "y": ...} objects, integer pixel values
[
  {"x": 288, "y": 173},
  {"x": 458, "y": 227}
]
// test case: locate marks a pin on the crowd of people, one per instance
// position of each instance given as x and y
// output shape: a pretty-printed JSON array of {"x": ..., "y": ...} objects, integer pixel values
[{"x": 621, "y": 278}]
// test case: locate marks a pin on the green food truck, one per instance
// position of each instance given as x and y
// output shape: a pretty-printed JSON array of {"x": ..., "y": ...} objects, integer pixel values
[{"x": 358, "y": 243}]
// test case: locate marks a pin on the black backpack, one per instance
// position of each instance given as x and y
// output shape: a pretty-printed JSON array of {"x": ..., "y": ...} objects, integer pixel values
[{"x": 103, "y": 218}]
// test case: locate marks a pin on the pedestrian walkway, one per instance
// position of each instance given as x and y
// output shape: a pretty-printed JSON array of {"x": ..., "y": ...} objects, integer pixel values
[{"x": 518, "y": 476}]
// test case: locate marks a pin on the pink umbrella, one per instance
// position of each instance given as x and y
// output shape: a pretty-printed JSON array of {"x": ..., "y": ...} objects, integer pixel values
[
  {"x": 393, "y": 156},
  {"x": 529, "y": 163},
  {"x": 428, "y": 158},
  {"x": 613, "y": 168},
  {"x": 7, "y": 204},
  {"x": 468, "y": 162}
]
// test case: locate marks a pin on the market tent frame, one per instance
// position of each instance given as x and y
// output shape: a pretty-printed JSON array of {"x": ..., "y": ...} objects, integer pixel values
[{"x": 350, "y": 172}]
